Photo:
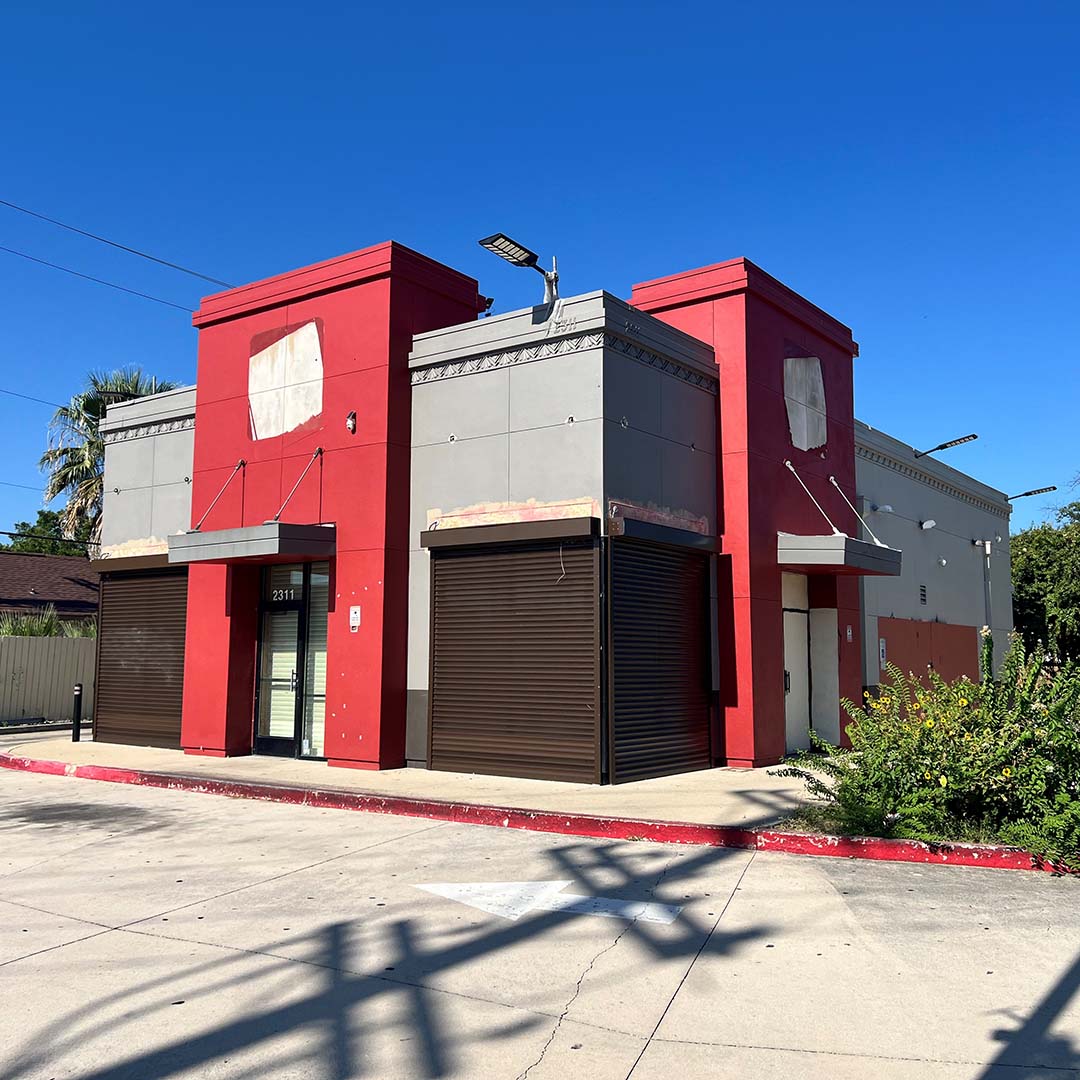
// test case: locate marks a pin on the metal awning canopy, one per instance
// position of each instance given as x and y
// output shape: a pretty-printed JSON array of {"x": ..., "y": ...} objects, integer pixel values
[
  {"x": 274, "y": 541},
  {"x": 836, "y": 554}
]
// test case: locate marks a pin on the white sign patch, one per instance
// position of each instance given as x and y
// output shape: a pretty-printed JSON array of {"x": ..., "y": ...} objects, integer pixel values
[
  {"x": 285, "y": 383},
  {"x": 512, "y": 899},
  {"x": 804, "y": 396}
]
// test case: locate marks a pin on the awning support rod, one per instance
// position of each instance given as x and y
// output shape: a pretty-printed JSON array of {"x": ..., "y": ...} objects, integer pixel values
[
  {"x": 314, "y": 457},
  {"x": 862, "y": 520},
  {"x": 836, "y": 531},
  {"x": 239, "y": 465}
]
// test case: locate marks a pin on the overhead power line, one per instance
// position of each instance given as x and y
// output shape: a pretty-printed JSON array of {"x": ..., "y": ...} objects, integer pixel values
[
  {"x": 113, "y": 243},
  {"x": 29, "y": 487},
  {"x": 98, "y": 281},
  {"x": 53, "y": 539},
  {"x": 28, "y": 397}
]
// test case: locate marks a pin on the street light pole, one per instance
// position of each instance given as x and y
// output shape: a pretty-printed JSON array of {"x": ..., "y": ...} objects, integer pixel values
[
  {"x": 946, "y": 445},
  {"x": 519, "y": 255}
]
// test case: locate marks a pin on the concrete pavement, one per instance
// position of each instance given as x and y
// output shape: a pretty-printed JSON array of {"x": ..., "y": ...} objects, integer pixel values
[{"x": 152, "y": 933}]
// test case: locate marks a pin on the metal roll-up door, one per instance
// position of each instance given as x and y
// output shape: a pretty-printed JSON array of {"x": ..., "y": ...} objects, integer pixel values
[
  {"x": 140, "y": 675},
  {"x": 515, "y": 662},
  {"x": 660, "y": 661}
]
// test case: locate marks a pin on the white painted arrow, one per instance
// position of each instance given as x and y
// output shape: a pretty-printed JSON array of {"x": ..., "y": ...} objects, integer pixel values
[{"x": 512, "y": 899}]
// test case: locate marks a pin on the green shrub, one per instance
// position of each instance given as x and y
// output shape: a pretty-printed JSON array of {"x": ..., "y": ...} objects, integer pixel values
[
  {"x": 44, "y": 623},
  {"x": 996, "y": 760},
  {"x": 79, "y": 627}
]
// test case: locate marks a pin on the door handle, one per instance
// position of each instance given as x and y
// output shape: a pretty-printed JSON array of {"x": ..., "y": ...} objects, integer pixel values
[
  {"x": 292, "y": 683},
  {"x": 787, "y": 682}
]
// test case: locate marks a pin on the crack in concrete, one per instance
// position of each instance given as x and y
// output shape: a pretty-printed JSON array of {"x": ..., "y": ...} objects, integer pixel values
[
  {"x": 581, "y": 979},
  {"x": 381, "y": 977}
]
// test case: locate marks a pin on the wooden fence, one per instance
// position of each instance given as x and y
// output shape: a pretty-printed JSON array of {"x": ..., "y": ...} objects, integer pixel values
[{"x": 37, "y": 675}]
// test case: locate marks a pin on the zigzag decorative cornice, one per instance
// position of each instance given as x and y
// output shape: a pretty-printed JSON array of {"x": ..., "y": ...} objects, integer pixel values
[
  {"x": 904, "y": 469},
  {"x": 140, "y": 431},
  {"x": 542, "y": 350},
  {"x": 709, "y": 383}
]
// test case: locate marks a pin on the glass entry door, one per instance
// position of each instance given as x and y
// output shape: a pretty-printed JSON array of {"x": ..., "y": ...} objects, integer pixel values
[{"x": 291, "y": 695}]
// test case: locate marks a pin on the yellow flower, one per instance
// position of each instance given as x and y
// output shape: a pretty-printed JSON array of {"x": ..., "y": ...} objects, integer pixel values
[
  {"x": 963, "y": 702},
  {"x": 866, "y": 694},
  {"x": 929, "y": 775},
  {"x": 929, "y": 722},
  {"x": 943, "y": 781},
  {"x": 1006, "y": 772}
]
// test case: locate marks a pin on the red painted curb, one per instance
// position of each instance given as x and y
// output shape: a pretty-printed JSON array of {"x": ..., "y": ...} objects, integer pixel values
[{"x": 611, "y": 828}]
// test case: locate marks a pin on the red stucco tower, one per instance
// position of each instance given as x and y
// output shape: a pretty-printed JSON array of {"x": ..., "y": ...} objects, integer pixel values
[
  {"x": 754, "y": 323},
  {"x": 355, "y": 316}
]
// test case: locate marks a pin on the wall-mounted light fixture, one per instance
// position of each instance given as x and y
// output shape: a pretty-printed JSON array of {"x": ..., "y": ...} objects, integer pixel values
[
  {"x": 518, "y": 255},
  {"x": 942, "y": 561},
  {"x": 929, "y": 523},
  {"x": 884, "y": 509},
  {"x": 350, "y": 423},
  {"x": 1034, "y": 491}
]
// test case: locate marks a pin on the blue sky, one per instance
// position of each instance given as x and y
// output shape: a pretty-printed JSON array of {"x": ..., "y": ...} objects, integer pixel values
[{"x": 910, "y": 168}]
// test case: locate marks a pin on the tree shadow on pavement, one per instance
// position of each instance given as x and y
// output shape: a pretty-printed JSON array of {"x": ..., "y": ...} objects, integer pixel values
[
  {"x": 30, "y": 813},
  {"x": 331, "y": 1020}
]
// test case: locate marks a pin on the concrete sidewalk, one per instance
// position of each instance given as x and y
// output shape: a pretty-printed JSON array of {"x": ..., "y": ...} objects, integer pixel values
[{"x": 735, "y": 798}]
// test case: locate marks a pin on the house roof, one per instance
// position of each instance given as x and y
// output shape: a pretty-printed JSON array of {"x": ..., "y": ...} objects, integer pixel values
[{"x": 29, "y": 582}]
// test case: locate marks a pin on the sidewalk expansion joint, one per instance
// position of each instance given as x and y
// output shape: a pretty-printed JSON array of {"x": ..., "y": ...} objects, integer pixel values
[{"x": 690, "y": 966}]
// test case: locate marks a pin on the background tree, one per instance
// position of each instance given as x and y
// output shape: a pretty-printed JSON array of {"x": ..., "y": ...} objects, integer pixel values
[
  {"x": 46, "y": 536},
  {"x": 1046, "y": 582},
  {"x": 74, "y": 463}
]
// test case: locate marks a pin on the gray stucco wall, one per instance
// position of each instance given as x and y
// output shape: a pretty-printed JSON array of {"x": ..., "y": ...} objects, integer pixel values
[
  {"x": 149, "y": 449},
  {"x": 547, "y": 413},
  {"x": 923, "y": 489}
]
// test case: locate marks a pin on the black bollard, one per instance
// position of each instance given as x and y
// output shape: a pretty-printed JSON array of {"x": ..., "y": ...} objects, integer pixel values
[{"x": 76, "y": 714}]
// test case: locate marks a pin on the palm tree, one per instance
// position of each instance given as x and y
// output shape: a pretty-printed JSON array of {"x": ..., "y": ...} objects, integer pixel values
[{"x": 75, "y": 459}]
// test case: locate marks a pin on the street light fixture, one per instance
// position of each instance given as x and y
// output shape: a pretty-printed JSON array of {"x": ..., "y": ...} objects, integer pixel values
[
  {"x": 518, "y": 255},
  {"x": 946, "y": 445},
  {"x": 1034, "y": 491}
]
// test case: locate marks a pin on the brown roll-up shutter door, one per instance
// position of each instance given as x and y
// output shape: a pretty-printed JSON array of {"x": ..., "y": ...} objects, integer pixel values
[
  {"x": 140, "y": 675},
  {"x": 515, "y": 665},
  {"x": 660, "y": 665}
]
